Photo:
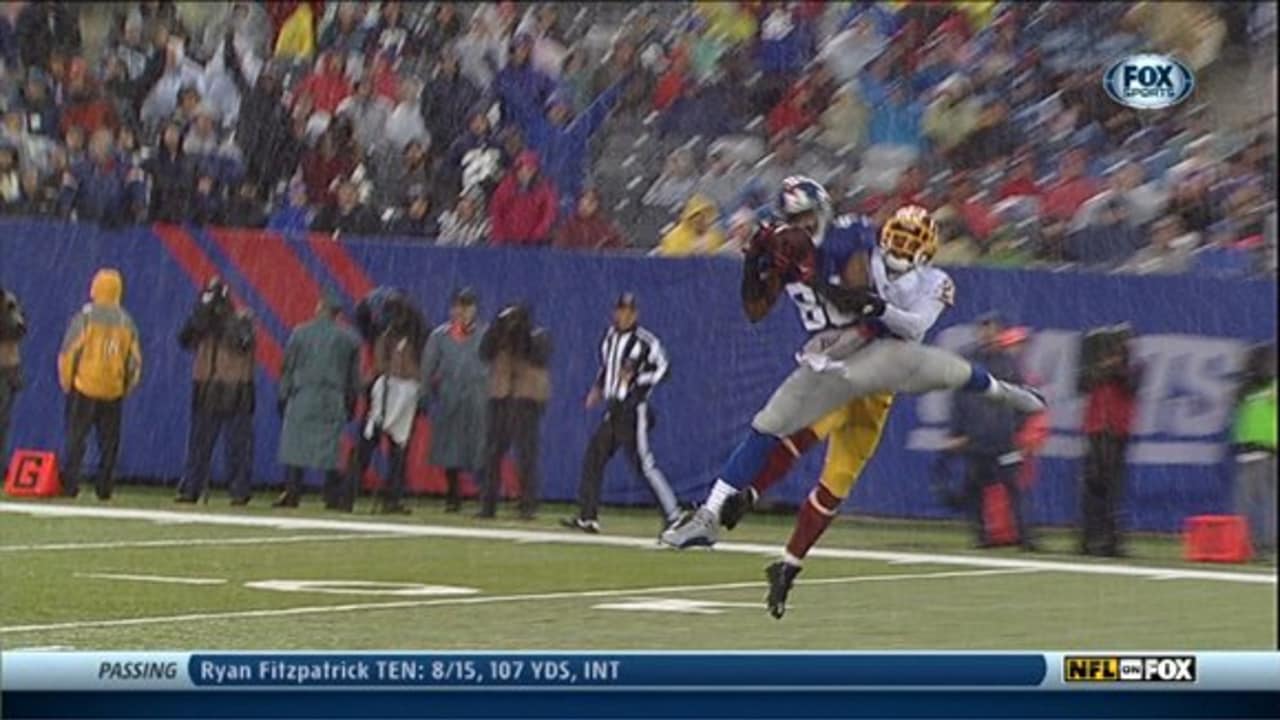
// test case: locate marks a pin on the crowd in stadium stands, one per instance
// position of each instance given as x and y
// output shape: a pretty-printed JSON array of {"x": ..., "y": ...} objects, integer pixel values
[{"x": 612, "y": 126}]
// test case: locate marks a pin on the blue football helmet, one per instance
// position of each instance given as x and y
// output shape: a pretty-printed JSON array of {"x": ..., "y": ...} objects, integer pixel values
[{"x": 800, "y": 195}]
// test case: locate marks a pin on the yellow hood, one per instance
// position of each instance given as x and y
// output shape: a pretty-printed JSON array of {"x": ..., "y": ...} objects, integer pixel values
[
  {"x": 107, "y": 287},
  {"x": 682, "y": 239},
  {"x": 697, "y": 204}
]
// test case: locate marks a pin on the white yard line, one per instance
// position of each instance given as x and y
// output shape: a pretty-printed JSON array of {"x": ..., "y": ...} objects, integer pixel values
[
  {"x": 186, "y": 542},
  {"x": 167, "y": 579},
  {"x": 483, "y": 600},
  {"x": 284, "y": 522}
]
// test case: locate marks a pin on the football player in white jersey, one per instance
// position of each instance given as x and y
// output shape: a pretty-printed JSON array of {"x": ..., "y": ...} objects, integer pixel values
[{"x": 881, "y": 353}]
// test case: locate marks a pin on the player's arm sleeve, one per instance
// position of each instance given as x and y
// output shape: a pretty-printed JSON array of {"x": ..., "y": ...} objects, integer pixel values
[
  {"x": 656, "y": 365},
  {"x": 913, "y": 322}
]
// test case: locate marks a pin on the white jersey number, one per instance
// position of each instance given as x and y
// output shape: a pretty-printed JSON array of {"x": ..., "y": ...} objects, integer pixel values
[{"x": 816, "y": 313}]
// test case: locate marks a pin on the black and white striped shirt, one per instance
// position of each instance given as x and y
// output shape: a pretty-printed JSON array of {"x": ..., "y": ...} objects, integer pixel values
[{"x": 639, "y": 351}]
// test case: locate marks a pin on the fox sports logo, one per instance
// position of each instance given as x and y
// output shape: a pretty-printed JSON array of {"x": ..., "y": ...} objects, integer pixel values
[{"x": 1149, "y": 82}]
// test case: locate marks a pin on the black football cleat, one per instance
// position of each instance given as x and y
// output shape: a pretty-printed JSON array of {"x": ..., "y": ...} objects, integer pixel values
[
  {"x": 285, "y": 500},
  {"x": 781, "y": 577},
  {"x": 590, "y": 527},
  {"x": 736, "y": 507}
]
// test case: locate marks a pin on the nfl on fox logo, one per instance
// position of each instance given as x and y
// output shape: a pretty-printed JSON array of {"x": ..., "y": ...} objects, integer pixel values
[
  {"x": 1168, "y": 668},
  {"x": 1149, "y": 82}
]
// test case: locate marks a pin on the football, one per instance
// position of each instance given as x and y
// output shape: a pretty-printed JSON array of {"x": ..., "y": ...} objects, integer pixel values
[{"x": 794, "y": 254}]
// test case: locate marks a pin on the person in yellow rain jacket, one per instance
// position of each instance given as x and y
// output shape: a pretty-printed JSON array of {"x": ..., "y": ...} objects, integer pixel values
[
  {"x": 695, "y": 233},
  {"x": 297, "y": 38},
  {"x": 99, "y": 364}
]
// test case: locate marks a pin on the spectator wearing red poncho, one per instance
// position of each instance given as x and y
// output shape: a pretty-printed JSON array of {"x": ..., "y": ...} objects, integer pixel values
[
  {"x": 975, "y": 215},
  {"x": 910, "y": 190},
  {"x": 85, "y": 106},
  {"x": 523, "y": 208},
  {"x": 588, "y": 228},
  {"x": 796, "y": 112},
  {"x": 327, "y": 85},
  {"x": 671, "y": 84},
  {"x": 1072, "y": 188},
  {"x": 1022, "y": 181}
]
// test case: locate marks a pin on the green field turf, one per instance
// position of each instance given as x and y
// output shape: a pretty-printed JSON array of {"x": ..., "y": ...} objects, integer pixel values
[{"x": 530, "y": 585}]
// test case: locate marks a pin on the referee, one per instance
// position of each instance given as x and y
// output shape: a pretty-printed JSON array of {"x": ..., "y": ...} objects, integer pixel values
[{"x": 632, "y": 363}]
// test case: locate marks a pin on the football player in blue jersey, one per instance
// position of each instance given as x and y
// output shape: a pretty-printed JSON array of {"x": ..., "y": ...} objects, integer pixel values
[{"x": 867, "y": 299}]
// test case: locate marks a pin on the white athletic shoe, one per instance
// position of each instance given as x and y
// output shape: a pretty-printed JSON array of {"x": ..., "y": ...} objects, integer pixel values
[
  {"x": 1022, "y": 398},
  {"x": 701, "y": 529}
]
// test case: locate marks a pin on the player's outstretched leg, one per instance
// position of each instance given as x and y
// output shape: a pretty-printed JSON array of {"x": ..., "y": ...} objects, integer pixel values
[
  {"x": 1022, "y": 398},
  {"x": 813, "y": 519},
  {"x": 803, "y": 398},
  {"x": 776, "y": 467},
  {"x": 938, "y": 369},
  {"x": 701, "y": 528}
]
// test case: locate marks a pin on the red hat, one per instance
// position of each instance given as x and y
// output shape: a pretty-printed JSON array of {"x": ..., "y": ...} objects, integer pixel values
[
  {"x": 527, "y": 159},
  {"x": 1012, "y": 336}
]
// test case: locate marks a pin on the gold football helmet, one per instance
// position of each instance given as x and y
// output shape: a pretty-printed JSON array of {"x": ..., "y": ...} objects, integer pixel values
[{"x": 909, "y": 238}]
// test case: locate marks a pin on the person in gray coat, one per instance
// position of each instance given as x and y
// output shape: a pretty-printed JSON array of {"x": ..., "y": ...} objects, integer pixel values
[
  {"x": 318, "y": 390},
  {"x": 455, "y": 388}
]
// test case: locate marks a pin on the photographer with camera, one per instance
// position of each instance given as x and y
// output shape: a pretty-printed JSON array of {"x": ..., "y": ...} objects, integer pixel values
[
  {"x": 13, "y": 327},
  {"x": 519, "y": 387},
  {"x": 222, "y": 392},
  {"x": 1253, "y": 443},
  {"x": 396, "y": 331},
  {"x": 1109, "y": 380}
]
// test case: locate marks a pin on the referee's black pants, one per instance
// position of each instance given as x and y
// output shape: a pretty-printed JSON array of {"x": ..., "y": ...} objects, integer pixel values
[{"x": 624, "y": 425}]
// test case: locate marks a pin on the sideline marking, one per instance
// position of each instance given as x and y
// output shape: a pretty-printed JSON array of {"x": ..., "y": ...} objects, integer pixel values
[
  {"x": 113, "y": 545},
  {"x": 483, "y": 600},
  {"x": 674, "y": 605},
  {"x": 359, "y": 587},
  {"x": 469, "y": 533},
  {"x": 169, "y": 579}
]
